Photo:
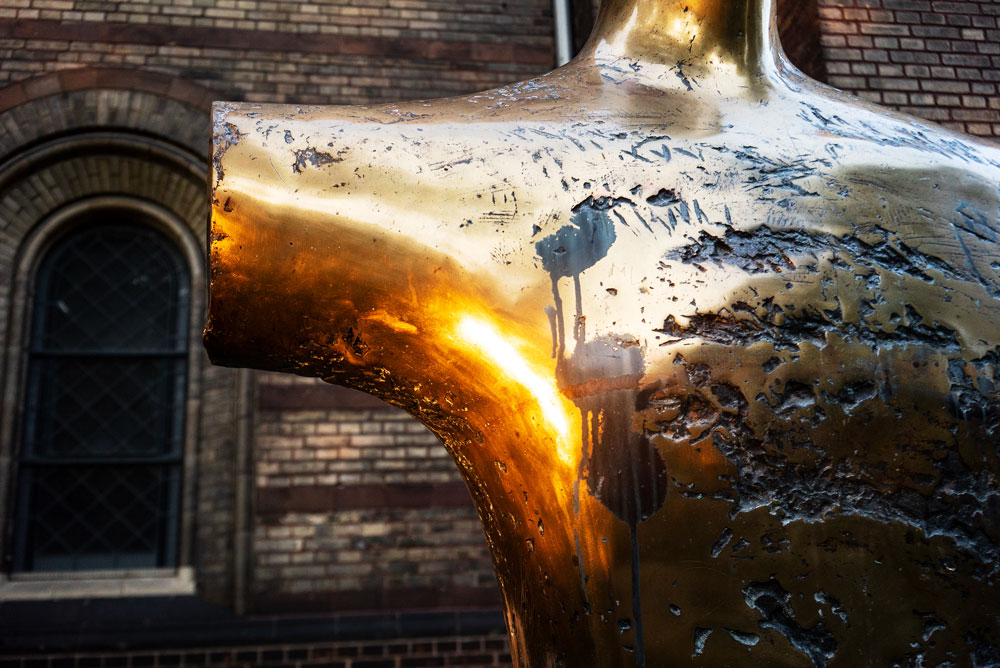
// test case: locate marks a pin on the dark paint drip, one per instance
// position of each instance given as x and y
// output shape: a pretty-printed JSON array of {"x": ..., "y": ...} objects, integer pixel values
[
  {"x": 623, "y": 469},
  {"x": 560, "y": 324},
  {"x": 576, "y": 511},
  {"x": 579, "y": 560},
  {"x": 577, "y": 247},
  {"x": 640, "y": 644}
]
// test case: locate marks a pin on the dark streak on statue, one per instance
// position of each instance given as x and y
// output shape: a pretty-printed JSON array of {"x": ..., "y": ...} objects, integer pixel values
[{"x": 623, "y": 469}]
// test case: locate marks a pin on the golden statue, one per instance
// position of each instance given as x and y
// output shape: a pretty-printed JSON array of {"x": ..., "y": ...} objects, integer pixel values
[{"x": 714, "y": 346}]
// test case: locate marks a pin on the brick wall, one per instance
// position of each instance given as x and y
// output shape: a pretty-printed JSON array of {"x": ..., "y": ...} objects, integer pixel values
[
  {"x": 306, "y": 448},
  {"x": 214, "y": 506},
  {"x": 358, "y": 507},
  {"x": 937, "y": 60},
  {"x": 524, "y": 22},
  {"x": 485, "y": 651},
  {"x": 357, "y": 51},
  {"x": 51, "y": 173},
  {"x": 372, "y": 559}
]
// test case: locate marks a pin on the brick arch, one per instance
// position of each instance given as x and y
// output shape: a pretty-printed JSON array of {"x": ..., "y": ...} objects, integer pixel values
[
  {"x": 114, "y": 78},
  {"x": 94, "y": 132},
  {"x": 80, "y": 138},
  {"x": 84, "y": 165},
  {"x": 83, "y": 99}
]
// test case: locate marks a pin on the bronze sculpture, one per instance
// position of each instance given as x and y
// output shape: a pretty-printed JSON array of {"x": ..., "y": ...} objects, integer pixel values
[{"x": 715, "y": 347}]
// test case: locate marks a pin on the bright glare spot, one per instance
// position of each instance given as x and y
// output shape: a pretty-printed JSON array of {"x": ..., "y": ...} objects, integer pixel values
[
  {"x": 358, "y": 206},
  {"x": 391, "y": 322},
  {"x": 682, "y": 30},
  {"x": 491, "y": 345}
]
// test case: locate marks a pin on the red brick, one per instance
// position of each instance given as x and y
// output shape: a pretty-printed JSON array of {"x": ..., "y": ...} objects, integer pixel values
[{"x": 918, "y": 37}]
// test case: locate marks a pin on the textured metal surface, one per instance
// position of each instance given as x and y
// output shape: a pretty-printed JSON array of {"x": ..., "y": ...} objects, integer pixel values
[{"x": 714, "y": 346}]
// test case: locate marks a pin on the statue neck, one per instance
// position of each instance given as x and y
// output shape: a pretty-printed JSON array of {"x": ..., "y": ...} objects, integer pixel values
[{"x": 696, "y": 32}]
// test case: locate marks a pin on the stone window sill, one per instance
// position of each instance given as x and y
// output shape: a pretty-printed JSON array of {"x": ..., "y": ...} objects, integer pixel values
[{"x": 97, "y": 584}]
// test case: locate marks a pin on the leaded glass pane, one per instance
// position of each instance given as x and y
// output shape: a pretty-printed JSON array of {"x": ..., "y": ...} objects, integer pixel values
[
  {"x": 105, "y": 406},
  {"x": 112, "y": 288},
  {"x": 101, "y": 453},
  {"x": 100, "y": 517}
]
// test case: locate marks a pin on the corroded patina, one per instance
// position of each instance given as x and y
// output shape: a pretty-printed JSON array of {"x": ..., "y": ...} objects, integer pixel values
[{"x": 714, "y": 346}]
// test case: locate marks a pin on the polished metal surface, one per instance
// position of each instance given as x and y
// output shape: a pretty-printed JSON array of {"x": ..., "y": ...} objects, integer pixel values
[{"x": 714, "y": 346}]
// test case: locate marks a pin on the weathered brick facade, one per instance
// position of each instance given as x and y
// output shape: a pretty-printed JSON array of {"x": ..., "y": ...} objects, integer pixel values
[
  {"x": 474, "y": 651},
  {"x": 358, "y": 508},
  {"x": 936, "y": 60},
  {"x": 302, "y": 498},
  {"x": 308, "y": 53}
]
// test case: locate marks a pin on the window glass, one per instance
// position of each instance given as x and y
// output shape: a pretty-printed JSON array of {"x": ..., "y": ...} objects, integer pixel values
[{"x": 99, "y": 475}]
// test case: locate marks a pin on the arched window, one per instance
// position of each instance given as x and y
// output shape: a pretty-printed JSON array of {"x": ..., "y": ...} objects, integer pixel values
[{"x": 103, "y": 430}]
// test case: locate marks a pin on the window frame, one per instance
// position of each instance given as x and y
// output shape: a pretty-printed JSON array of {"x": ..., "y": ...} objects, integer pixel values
[{"x": 104, "y": 583}]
